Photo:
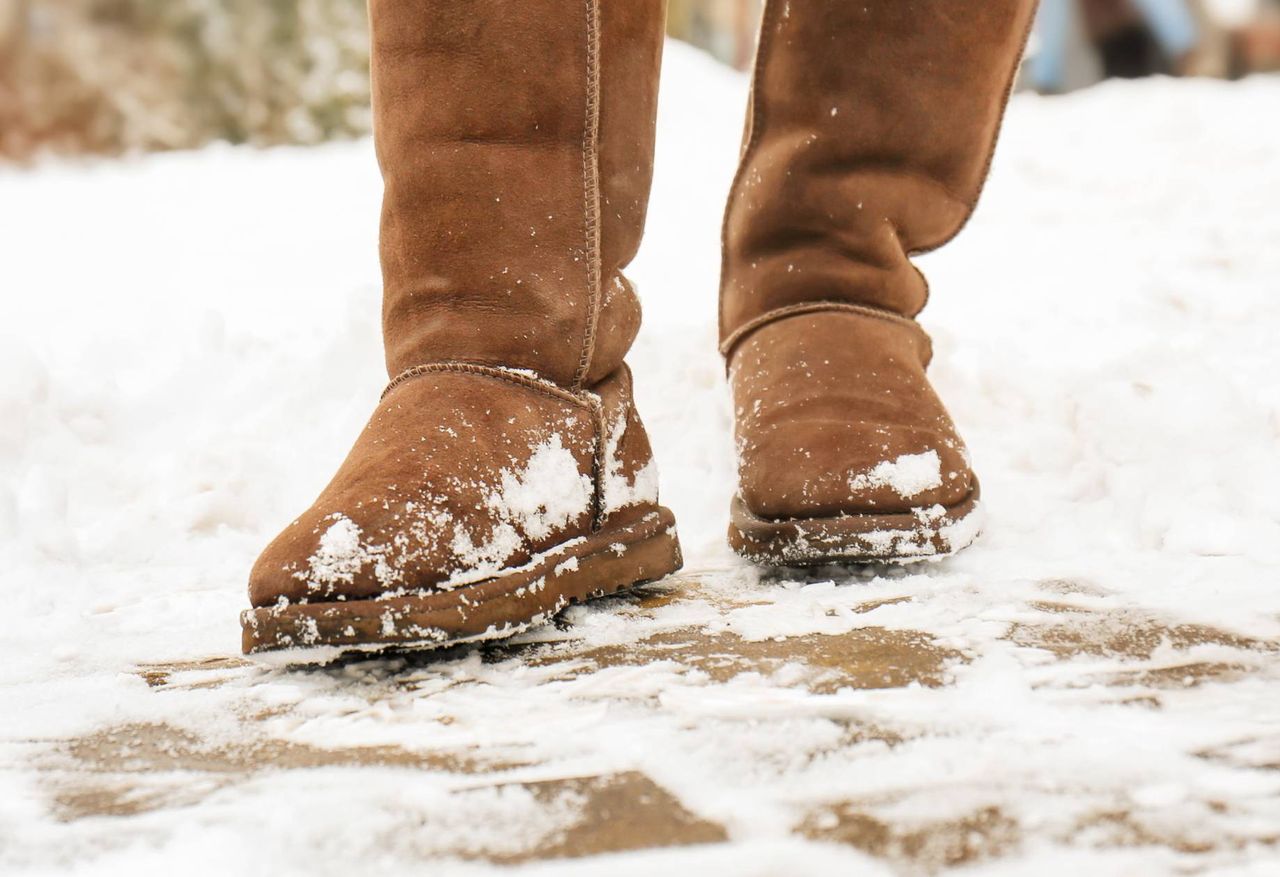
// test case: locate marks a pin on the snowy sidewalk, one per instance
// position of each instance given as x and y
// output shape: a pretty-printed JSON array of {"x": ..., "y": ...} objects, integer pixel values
[{"x": 190, "y": 344}]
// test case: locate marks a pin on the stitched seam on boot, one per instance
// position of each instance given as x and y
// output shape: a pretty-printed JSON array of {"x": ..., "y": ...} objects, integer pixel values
[
  {"x": 591, "y": 191},
  {"x": 813, "y": 307},
  {"x": 756, "y": 121},
  {"x": 598, "y": 461},
  {"x": 511, "y": 377}
]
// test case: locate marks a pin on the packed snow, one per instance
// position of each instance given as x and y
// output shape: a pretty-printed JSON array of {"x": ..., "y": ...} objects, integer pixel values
[
  {"x": 617, "y": 490},
  {"x": 546, "y": 494},
  {"x": 338, "y": 559},
  {"x": 907, "y": 475},
  {"x": 190, "y": 343}
]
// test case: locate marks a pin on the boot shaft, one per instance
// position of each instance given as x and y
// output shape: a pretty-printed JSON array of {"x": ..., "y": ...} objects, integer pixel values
[
  {"x": 516, "y": 144},
  {"x": 868, "y": 139}
]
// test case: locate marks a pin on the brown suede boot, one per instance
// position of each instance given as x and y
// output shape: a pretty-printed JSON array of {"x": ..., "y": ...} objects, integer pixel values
[
  {"x": 869, "y": 134},
  {"x": 505, "y": 472}
]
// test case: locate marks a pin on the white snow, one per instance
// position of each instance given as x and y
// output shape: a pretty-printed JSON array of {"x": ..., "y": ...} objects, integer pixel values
[
  {"x": 190, "y": 344},
  {"x": 338, "y": 558},
  {"x": 907, "y": 475},
  {"x": 478, "y": 559},
  {"x": 617, "y": 489},
  {"x": 546, "y": 494}
]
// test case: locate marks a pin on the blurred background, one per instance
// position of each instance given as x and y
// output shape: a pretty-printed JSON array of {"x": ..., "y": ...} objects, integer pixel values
[{"x": 113, "y": 76}]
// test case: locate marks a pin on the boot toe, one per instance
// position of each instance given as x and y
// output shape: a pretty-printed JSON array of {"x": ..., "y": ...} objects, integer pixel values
[
  {"x": 836, "y": 417},
  {"x": 455, "y": 478},
  {"x": 829, "y": 469}
]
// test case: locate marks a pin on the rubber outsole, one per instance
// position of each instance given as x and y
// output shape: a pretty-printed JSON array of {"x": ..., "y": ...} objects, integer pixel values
[
  {"x": 593, "y": 566},
  {"x": 924, "y": 534}
]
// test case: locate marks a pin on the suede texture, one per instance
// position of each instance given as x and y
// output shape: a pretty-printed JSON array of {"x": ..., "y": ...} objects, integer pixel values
[
  {"x": 459, "y": 475},
  {"x": 824, "y": 398},
  {"x": 516, "y": 178},
  {"x": 515, "y": 142},
  {"x": 869, "y": 135}
]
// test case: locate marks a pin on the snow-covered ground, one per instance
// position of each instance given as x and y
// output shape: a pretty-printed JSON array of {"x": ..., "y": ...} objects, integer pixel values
[{"x": 189, "y": 344}]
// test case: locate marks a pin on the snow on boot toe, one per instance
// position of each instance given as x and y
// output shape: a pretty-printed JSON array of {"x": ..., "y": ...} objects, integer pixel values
[{"x": 456, "y": 477}]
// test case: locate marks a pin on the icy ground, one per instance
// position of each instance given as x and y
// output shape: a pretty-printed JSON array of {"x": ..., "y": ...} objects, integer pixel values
[{"x": 189, "y": 343}]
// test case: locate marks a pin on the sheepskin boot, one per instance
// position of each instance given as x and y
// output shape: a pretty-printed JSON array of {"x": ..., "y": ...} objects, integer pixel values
[
  {"x": 505, "y": 472},
  {"x": 869, "y": 135}
]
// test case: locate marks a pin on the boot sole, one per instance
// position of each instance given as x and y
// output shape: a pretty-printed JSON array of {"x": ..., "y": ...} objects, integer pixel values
[
  {"x": 582, "y": 569},
  {"x": 865, "y": 538}
]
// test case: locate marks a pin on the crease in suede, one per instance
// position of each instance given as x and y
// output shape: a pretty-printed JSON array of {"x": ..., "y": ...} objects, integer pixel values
[{"x": 970, "y": 46}]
